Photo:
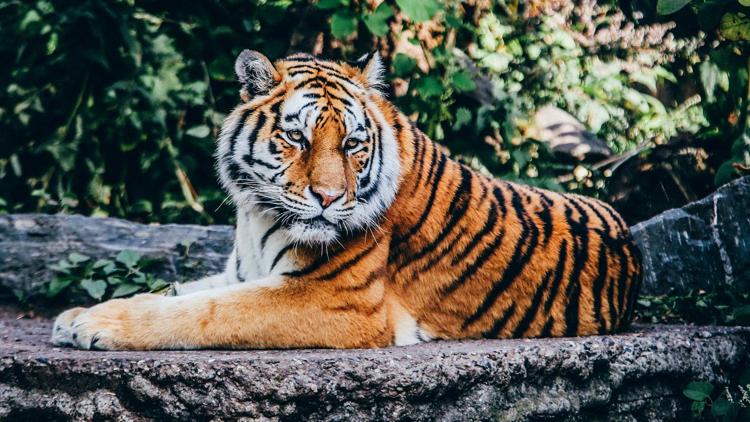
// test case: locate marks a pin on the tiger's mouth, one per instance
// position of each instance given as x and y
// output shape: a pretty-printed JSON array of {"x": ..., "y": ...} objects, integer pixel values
[
  {"x": 319, "y": 221},
  {"x": 314, "y": 230}
]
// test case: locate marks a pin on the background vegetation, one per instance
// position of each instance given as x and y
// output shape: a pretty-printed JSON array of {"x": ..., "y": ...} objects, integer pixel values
[{"x": 111, "y": 107}]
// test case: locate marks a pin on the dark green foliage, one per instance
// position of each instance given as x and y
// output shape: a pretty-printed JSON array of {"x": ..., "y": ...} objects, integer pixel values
[
  {"x": 727, "y": 404},
  {"x": 112, "y": 107},
  {"x": 723, "y": 75},
  {"x": 723, "y": 305},
  {"x": 124, "y": 275}
]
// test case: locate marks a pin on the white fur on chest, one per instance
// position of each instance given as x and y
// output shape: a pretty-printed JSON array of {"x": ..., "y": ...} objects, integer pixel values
[{"x": 261, "y": 248}]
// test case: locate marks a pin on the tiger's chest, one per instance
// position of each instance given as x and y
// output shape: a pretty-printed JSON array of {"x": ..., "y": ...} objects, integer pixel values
[{"x": 261, "y": 248}]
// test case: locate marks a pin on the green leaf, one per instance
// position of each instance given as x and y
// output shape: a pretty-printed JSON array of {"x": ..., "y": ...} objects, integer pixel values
[
  {"x": 667, "y": 7},
  {"x": 698, "y": 390},
  {"x": 403, "y": 65},
  {"x": 343, "y": 24},
  {"x": 377, "y": 21},
  {"x": 128, "y": 258},
  {"x": 419, "y": 10},
  {"x": 745, "y": 3},
  {"x": 57, "y": 285},
  {"x": 100, "y": 263},
  {"x": 497, "y": 62},
  {"x": 75, "y": 258},
  {"x": 95, "y": 288},
  {"x": 720, "y": 407},
  {"x": 331, "y": 4},
  {"x": 125, "y": 289},
  {"x": 199, "y": 131},
  {"x": 429, "y": 86},
  {"x": 735, "y": 27},
  {"x": 62, "y": 266},
  {"x": 711, "y": 78},
  {"x": 157, "y": 284},
  {"x": 697, "y": 407},
  {"x": 109, "y": 268},
  {"x": 462, "y": 81},
  {"x": 463, "y": 117}
]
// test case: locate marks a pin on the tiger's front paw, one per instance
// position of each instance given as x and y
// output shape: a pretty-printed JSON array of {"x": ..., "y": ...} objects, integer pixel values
[
  {"x": 111, "y": 325},
  {"x": 62, "y": 330}
]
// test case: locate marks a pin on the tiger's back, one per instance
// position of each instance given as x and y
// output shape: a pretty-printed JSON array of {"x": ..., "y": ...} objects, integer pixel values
[{"x": 482, "y": 257}]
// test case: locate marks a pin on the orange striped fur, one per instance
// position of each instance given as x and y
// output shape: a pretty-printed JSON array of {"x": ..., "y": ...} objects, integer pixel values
[{"x": 407, "y": 244}]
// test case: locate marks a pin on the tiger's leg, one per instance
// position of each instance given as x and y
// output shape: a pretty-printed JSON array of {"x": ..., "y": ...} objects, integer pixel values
[
  {"x": 227, "y": 277},
  {"x": 210, "y": 282},
  {"x": 282, "y": 314}
]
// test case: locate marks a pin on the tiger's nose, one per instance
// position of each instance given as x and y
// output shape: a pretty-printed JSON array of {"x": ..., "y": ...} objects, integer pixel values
[{"x": 326, "y": 196}]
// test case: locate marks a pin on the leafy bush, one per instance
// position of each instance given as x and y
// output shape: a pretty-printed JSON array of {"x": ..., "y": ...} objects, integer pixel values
[
  {"x": 725, "y": 305},
  {"x": 728, "y": 404},
  {"x": 125, "y": 275},
  {"x": 723, "y": 70},
  {"x": 111, "y": 107}
]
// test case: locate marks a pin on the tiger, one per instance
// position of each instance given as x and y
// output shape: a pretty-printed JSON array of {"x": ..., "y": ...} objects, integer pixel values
[{"x": 355, "y": 230}]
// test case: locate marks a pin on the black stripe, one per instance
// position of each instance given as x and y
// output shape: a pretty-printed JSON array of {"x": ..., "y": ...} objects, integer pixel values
[
  {"x": 435, "y": 154},
  {"x": 275, "y": 176},
  {"x": 269, "y": 232},
  {"x": 611, "y": 299},
  {"x": 369, "y": 188},
  {"x": 598, "y": 287},
  {"x": 279, "y": 255},
  {"x": 547, "y": 329},
  {"x": 371, "y": 278},
  {"x": 248, "y": 158},
  {"x": 240, "y": 277},
  {"x": 483, "y": 256},
  {"x": 419, "y": 158},
  {"x": 580, "y": 232},
  {"x": 559, "y": 273},
  {"x": 349, "y": 263},
  {"x": 636, "y": 278},
  {"x": 621, "y": 226},
  {"x": 523, "y": 251},
  {"x": 315, "y": 265},
  {"x": 265, "y": 164},
  {"x": 487, "y": 227},
  {"x": 236, "y": 132},
  {"x": 456, "y": 211},
  {"x": 430, "y": 202},
  {"x": 531, "y": 312},
  {"x": 500, "y": 322},
  {"x": 449, "y": 246},
  {"x": 602, "y": 273},
  {"x": 545, "y": 215}
]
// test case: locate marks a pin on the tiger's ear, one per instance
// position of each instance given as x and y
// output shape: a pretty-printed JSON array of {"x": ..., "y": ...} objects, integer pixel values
[
  {"x": 371, "y": 66},
  {"x": 256, "y": 74}
]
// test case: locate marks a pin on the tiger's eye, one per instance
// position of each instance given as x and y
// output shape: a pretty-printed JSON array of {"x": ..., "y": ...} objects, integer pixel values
[
  {"x": 295, "y": 135},
  {"x": 351, "y": 143}
]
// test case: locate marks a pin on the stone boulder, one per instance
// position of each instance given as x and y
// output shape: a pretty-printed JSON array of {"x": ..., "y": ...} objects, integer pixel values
[
  {"x": 704, "y": 243},
  {"x": 30, "y": 243}
]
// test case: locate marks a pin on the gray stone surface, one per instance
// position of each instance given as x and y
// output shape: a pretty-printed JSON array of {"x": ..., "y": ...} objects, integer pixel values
[
  {"x": 633, "y": 376},
  {"x": 30, "y": 243},
  {"x": 699, "y": 245}
]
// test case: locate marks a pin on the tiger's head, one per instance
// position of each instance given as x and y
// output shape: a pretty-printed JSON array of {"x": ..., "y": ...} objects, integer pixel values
[{"x": 312, "y": 144}]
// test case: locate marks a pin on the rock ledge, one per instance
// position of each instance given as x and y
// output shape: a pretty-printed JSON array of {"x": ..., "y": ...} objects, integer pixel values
[{"x": 633, "y": 376}]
